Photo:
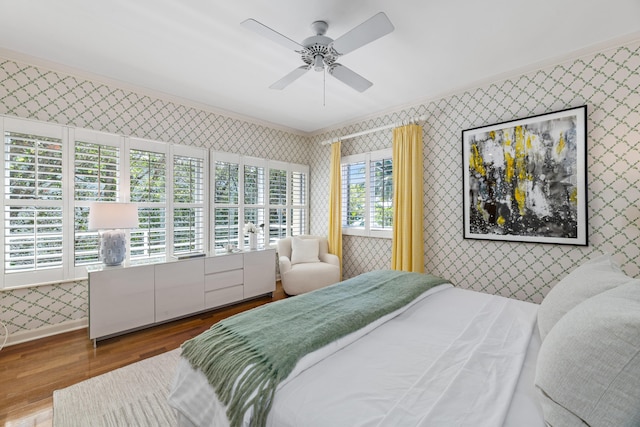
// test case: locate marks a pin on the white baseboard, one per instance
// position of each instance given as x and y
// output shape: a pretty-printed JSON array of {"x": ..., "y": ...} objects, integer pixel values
[{"x": 46, "y": 331}]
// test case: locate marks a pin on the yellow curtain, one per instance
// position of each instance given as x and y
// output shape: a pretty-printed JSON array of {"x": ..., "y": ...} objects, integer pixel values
[
  {"x": 407, "y": 251},
  {"x": 335, "y": 205}
]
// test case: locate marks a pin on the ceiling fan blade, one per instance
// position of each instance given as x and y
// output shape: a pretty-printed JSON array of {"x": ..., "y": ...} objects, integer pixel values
[
  {"x": 349, "y": 77},
  {"x": 272, "y": 35},
  {"x": 371, "y": 29},
  {"x": 290, "y": 78}
]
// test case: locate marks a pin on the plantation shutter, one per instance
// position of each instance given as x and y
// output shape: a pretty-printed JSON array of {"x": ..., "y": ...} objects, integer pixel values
[
  {"x": 33, "y": 221},
  {"x": 148, "y": 189},
  {"x": 96, "y": 178},
  {"x": 298, "y": 197},
  {"x": 188, "y": 208},
  {"x": 226, "y": 201},
  {"x": 277, "y": 204},
  {"x": 381, "y": 194},
  {"x": 254, "y": 193},
  {"x": 353, "y": 194}
]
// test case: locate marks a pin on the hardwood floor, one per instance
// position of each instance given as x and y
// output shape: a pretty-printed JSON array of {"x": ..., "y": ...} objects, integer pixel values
[{"x": 30, "y": 372}]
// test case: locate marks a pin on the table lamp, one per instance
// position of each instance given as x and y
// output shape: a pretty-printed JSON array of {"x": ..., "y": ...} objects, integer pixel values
[{"x": 111, "y": 219}]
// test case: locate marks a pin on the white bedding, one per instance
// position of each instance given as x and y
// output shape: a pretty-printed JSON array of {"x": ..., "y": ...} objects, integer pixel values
[{"x": 454, "y": 358}]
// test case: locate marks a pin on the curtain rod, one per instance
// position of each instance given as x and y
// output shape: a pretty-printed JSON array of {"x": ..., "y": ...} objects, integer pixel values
[{"x": 368, "y": 131}]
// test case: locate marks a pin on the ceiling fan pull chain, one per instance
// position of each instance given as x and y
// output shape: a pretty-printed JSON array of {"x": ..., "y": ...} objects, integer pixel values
[{"x": 324, "y": 87}]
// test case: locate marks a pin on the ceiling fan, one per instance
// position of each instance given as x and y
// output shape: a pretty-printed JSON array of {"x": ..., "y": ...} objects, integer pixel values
[{"x": 321, "y": 52}]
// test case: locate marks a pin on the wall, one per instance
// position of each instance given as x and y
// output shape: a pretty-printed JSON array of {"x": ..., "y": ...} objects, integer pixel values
[
  {"x": 607, "y": 82},
  {"x": 32, "y": 92}
]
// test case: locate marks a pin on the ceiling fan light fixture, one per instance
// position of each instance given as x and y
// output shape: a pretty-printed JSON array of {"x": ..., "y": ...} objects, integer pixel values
[{"x": 318, "y": 63}]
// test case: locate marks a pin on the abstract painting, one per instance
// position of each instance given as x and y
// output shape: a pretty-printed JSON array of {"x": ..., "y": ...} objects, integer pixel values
[{"x": 525, "y": 180}]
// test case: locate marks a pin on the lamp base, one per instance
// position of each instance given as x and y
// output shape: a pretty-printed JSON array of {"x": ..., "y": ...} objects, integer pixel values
[{"x": 113, "y": 247}]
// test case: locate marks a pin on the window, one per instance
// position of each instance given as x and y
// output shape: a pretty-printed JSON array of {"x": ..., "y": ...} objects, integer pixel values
[
  {"x": 96, "y": 178},
  {"x": 367, "y": 194},
  {"x": 354, "y": 177},
  {"x": 277, "y": 204},
  {"x": 272, "y": 195},
  {"x": 254, "y": 194},
  {"x": 33, "y": 211},
  {"x": 288, "y": 200},
  {"x": 147, "y": 170},
  {"x": 52, "y": 174},
  {"x": 188, "y": 200},
  {"x": 225, "y": 199},
  {"x": 298, "y": 196},
  {"x": 33, "y": 201},
  {"x": 381, "y": 193}
]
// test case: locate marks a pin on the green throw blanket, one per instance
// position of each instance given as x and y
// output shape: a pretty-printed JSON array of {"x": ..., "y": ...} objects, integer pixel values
[{"x": 268, "y": 341}]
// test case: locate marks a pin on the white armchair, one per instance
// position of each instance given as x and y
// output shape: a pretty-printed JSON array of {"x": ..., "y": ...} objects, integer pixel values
[{"x": 306, "y": 264}]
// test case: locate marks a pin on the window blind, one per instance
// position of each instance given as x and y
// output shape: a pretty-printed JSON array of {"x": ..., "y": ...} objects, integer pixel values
[
  {"x": 96, "y": 170},
  {"x": 96, "y": 178},
  {"x": 253, "y": 185},
  {"x": 148, "y": 187},
  {"x": 353, "y": 194},
  {"x": 188, "y": 197},
  {"x": 33, "y": 167},
  {"x": 367, "y": 194},
  {"x": 149, "y": 239},
  {"x": 226, "y": 182},
  {"x": 226, "y": 227},
  {"x": 298, "y": 197},
  {"x": 254, "y": 192},
  {"x": 277, "y": 204},
  {"x": 148, "y": 176},
  {"x": 33, "y": 238},
  {"x": 277, "y": 187},
  {"x": 33, "y": 202},
  {"x": 381, "y": 194},
  {"x": 277, "y": 224}
]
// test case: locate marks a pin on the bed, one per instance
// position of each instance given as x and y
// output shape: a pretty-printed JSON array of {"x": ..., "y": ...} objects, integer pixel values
[{"x": 454, "y": 357}]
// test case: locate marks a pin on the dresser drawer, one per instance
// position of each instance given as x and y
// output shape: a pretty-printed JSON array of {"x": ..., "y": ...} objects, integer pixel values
[
  {"x": 224, "y": 296},
  {"x": 223, "y": 263},
  {"x": 223, "y": 279}
]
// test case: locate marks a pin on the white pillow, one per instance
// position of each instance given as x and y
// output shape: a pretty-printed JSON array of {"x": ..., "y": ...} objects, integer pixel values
[
  {"x": 588, "y": 368},
  {"x": 304, "y": 250},
  {"x": 591, "y": 278}
]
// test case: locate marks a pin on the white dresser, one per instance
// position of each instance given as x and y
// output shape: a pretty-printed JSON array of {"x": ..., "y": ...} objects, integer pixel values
[{"x": 125, "y": 298}]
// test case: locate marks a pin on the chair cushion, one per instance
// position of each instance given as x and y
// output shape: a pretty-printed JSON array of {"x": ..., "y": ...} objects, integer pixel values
[
  {"x": 304, "y": 250},
  {"x": 591, "y": 278},
  {"x": 588, "y": 368},
  {"x": 306, "y": 277}
]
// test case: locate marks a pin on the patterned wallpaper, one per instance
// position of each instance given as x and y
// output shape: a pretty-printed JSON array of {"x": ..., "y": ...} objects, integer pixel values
[
  {"x": 36, "y": 93},
  {"x": 607, "y": 82}
]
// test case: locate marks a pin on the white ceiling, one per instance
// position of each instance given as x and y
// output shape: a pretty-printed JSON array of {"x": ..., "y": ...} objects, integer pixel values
[{"x": 197, "y": 52}]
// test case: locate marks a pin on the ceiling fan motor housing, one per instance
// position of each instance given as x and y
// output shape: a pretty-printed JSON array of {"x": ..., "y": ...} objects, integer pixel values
[{"x": 317, "y": 52}]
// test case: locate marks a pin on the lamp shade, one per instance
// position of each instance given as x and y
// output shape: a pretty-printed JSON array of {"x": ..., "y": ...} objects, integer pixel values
[{"x": 110, "y": 216}]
